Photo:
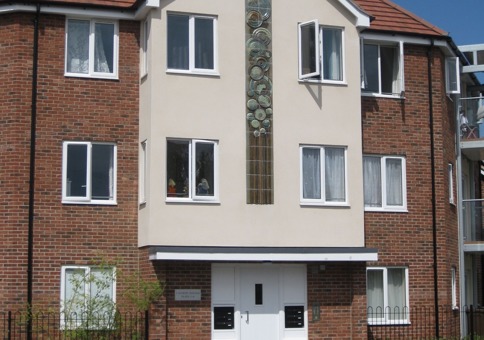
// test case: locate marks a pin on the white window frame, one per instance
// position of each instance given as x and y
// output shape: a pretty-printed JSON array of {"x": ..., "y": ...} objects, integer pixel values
[
  {"x": 322, "y": 200},
  {"x": 191, "y": 46},
  {"x": 88, "y": 198},
  {"x": 318, "y": 54},
  {"x": 143, "y": 170},
  {"x": 87, "y": 289},
  {"x": 384, "y": 319},
  {"x": 192, "y": 195},
  {"x": 452, "y": 75},
  {"x": 385, "y": 206},
  {"x": 450, "y": 172},
  {"x": 91, "y": 73},
  {"x": 145, "y": 29},
  {"x": 400, "y": 74}
]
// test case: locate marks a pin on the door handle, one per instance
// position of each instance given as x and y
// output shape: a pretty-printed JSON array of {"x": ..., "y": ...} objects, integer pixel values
[{"x": 247, "y": 316}]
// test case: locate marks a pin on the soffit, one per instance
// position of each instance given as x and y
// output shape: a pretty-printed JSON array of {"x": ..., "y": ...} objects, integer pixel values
[
  {"x": 390, "y": 17},
  {"x": 83, "y": 3}
]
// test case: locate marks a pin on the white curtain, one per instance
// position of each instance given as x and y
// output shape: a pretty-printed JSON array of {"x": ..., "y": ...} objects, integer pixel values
[
  {"x": 311, "y": 165},
  {"x": 372, "y": 181},
  {"x": 396, "y": 88},
  {"x": 101, "y": 63},
  {"x": 75, "y": 293},
  {"x": 375, "y": 293},
  {"x": 78, "y": 46},
  {"x": 332, "y": 54},
  {"x": 396, "y": 294},
  {"x": 335, "y": 174},
  {"x": 394, "y": 182}
]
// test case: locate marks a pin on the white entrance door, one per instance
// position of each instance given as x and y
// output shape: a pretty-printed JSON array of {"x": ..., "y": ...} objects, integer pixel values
[{"x": 259, "y": 306}]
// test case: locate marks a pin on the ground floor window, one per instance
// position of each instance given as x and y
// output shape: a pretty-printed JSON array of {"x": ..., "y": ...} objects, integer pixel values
[{"x": 387, "y": 295}]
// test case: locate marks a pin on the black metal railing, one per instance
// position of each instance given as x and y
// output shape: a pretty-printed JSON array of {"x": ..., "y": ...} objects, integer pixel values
[
  {"x": 52, "y": 326},
  {"x": 413, "y": 323}
]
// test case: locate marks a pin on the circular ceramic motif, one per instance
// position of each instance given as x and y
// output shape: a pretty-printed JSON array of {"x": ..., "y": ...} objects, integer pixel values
[
  {"x": 260, "y": 114},
  {"x": 264, "y": 101},
  {"x": 262, "y": 63},
  {"x": 262, "y": 34},
  {"x": 262, "y": 86},
  {"x": 266, "y": 123},
  {"x": 256, "y": 133},
  {"x": 250, "y": 116},
  {"x": 254, "y": 19},
  {"x": 255, "y": 124},
  {"x": 252, "y": 104},
  {"x": 262, "y": 131},
  {"x": 255, "y": 47},
  {"x": 256, "y": 72},
  {"x": 269, "y": 111},
  {"x": 261, "y": 6}
]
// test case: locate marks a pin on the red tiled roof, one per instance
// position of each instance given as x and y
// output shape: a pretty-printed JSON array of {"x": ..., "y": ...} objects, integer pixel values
[
  {"x": 391, "y": 17},
  {"x": 85, "y": 3}
]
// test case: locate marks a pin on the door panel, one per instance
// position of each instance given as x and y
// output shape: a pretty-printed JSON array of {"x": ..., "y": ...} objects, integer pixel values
[{"x": 259, "y": 295}]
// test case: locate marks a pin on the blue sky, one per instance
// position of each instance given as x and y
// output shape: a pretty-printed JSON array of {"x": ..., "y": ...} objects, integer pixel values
[{"x": 463, "y": 19}]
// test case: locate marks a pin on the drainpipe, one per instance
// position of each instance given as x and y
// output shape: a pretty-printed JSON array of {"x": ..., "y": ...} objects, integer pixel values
[
  {"x": 434, "y": 209},
  {"x": 33, "y": 121}
]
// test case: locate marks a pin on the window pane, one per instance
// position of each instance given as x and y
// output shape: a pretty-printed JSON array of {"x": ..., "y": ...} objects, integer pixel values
[
  {"x": 394, "y": 181},
  {"x": 389, "y": 69},
  {"x": 204, "y": 43},
  {"x": 396, "y": 293},
  {"x": 452, "y": 74},
  {"x": 311, "y": 173},
  {"x": 308, "y": 45},
  {"x": 104, "y": 48},
  {"x": 204, "y": 169},
  {"x": 177, "y": 46},
  {"x": 332, "y": 54},
  {"x": 75, "y": 294},
  {"x": 76, "y": 170},
  {"x": 177, "y": 163},
  {"x": 101, "y": 293},
  {"x": 335, "y": 174},
  {"x": 78, "y": 46},
  {"x": 102, "y": 171},
  {"x": 371, "y": 68},
  {"x": 375, "y": 293},
  {"x": 372, "y": 181}
]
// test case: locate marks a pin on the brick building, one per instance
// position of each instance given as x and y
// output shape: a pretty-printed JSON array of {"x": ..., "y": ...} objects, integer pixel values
[{"x": 239, "y": 155}]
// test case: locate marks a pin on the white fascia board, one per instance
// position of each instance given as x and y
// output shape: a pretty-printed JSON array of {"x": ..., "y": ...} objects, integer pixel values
[
  {"x": 142, "y": 12},
  {"x": 362, "y": 19},
  {"x": 270, "y": 257},
  {"x": 470, "y": 48},
  {"x": 70, "y": 11}
]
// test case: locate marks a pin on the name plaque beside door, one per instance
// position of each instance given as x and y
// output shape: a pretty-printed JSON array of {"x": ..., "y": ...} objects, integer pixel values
[{"x": 188, "y": 294}]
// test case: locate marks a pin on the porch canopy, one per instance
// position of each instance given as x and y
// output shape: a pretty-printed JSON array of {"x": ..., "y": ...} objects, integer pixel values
[{"x": 263, "y": 254}]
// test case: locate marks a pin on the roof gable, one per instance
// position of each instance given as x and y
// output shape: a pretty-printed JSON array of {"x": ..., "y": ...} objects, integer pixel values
[{"x": 391, "y": 17}]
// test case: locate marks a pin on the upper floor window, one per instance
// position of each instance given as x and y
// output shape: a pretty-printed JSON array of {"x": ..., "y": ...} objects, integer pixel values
[
  {"x": 323, "y": 175},
  {"x": 88, "y": 296},
  {"x": 452, "y": 74},
  {"x": 320, "y": 52},
  {"x": 384, "y": 183},
  {"x": 382, "y": 69},
  {"x": 89, "y": 173},
  {"x": 450, "y": 173},
  {"x": 387, "y": 295},
  {"x": 191, "y": 43},
  {"x": 92, "y": 48},
  {"x": 145, "y": 32},
  {"x": 192, "y": 170}
]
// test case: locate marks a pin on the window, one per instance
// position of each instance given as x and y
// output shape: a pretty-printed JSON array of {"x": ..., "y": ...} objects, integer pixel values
[
  {"x": 450, "y": 172},
  {"x": 88, "y": 296},
  {"x": 382, "y": 69},
  {"x": 387, "y": 295},
  {"x": 145, "y": 29},
  {"x": 92, "y": 48},
  {"x": 192, "y": 170},
  {"x": 323, "y": 175},
  {"x": 384, "y": 183},
  {"x": 452, "y": 74},
  {"x": 143, "y": 166},
  {"x": 191, "y": 43},
  {"x": 89, "y": 173},
  {"x": 320, "y": 52},
  {"x": 454, "y": 287}
]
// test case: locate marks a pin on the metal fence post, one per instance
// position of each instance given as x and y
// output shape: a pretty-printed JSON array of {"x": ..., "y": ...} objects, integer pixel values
[
  {"x": 147, "y": 325},
  {"x": 9, "y": 331},
  {"x": 471, "y": 322}
]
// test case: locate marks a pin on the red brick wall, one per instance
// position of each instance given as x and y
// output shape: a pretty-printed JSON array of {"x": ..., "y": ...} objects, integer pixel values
[
  {"x": 401, "y": 127},
  {"x": 68, "y": 109}
]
